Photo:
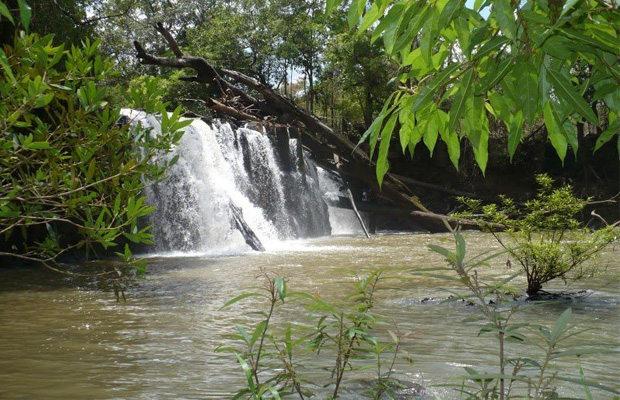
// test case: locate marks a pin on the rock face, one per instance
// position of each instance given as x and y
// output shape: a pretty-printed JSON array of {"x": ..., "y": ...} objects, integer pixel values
[{"x": 263, "y": 172}]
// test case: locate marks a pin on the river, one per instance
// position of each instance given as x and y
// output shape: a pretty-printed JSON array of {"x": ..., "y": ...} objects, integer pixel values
[{"x": 63, "y": 339}]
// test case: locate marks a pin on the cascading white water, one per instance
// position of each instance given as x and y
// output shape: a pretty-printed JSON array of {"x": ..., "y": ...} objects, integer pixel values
[
  {"x": 276, "y": 187},
  {"x": 342, "y": 221}
]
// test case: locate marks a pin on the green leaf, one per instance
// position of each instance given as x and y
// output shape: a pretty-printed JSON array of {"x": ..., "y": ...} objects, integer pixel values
[
  {"x": 414, "y": 138},
  {"x": 463, "y": 32},
  {"x": 472, "y": 319},
  {"x": 460, "y": 247},
  {"x": 570, "y": 131},
  {"x": 5, "y": 11},
  {"x": 356, "y": 9},
  {"x": 561, "y": 325},
  {"x": 580, "y": 352},
  {"x": 248, "y": 372},
  {"x": 444, "y": 252},
  {"x": 331, "y": 5},
  {"x": 515, "y": 129},
  {"x": 554, "y": 131},
  {"x": 373, "y": 129},
  {"x": 505, "y": 18},
  {"x": 241, "y": 297},
  {"x": 426, "y": 41},
  {"x": 566, "y": 91},
  {"x": 568, "y": 5},
  {"x": 503, "y": 68},
  {"x": 5, "y": 65},
  {"x": 431, "y": 131},
  {"x": 25, "y": 14},
  {"x": 465, "y": 92},
  {"x": 605, "y": 136},
  {"x": 449, "y": 12},
  {"x": 280, "y": 285},
  {"x": 590, "y": 42},
  {"x": 44, "y": 100},
  {"x": 389, "y": 25},
  {"x": 430, "y": 90},
  {"x": 260, "y": 329},
  {"x": 275, "y": 393},
  {"x": 91, "y": 169},
  {"x": 244, "y": 334},
  {"x": 412, "y": 26},
  {"x": 592, "y": 384},
  {"x": 495, "y": 43},
  {"x": 37, "y": 146},
  {"x": 451, "y": 138},
  {"x": 371, "y": 16},
  {"x": 384, "y": 146},
  {"x": 527, "y": 84},
  {"x": 476, "y": 126}
]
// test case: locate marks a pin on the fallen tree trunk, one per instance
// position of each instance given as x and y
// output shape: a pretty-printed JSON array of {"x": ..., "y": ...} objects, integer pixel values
[
  {"x": 248, "y": 234},
  {"x": 357, "y": 214},
  {"x": 353, "y": 163}
]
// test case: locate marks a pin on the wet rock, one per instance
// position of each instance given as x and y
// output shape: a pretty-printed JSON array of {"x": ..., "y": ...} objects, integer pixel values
[
  {"x": 563, "y": 296},
  {"x": 401, "y": 390}
]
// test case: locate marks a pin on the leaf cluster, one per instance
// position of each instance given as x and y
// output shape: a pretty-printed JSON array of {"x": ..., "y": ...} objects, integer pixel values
[
  {"x": 464, "y": 66},
  {"x": 72, "y": 168}
]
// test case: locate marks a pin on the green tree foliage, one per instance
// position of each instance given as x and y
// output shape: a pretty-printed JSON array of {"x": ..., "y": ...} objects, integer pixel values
[
  {"x": 71, "y": 173},
  {"x": 463, "y": 65},
  {"x": 543, "y": 235},
  {"x": 361, "y": 69}
]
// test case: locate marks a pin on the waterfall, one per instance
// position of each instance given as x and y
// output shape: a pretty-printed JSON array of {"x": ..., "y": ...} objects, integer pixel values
[
  {"x": 342, "y": 221},
  {"x": 265, "y": 173}
]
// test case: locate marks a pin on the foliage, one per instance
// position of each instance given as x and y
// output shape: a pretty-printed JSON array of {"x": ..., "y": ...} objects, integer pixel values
[
  {"x": 71, "y": 173},
  {"x": 344, "y": 332},
  {"x": 267, "y": 39},
  {"x": 462, "y": 66},
  {"x": 361, "y": 69},
  {"x": 543, "y": 235},
  {"x": 517, "y": 376}
]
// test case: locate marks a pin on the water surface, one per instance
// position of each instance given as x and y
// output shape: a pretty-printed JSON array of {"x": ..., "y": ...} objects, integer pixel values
[{"x": 62, "y": 339}]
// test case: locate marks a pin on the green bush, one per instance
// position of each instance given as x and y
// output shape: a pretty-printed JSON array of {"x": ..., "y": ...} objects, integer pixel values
[
  {"x": 71, "y": 173},
  {"x": 543, "y": 235}
]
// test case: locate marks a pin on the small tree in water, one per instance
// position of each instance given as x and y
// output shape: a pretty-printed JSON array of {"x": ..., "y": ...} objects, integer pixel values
[{"x": 543, "y": 235}]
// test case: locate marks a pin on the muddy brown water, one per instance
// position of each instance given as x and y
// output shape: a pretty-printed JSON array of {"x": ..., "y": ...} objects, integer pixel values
[{"x": 67, "y": 340}]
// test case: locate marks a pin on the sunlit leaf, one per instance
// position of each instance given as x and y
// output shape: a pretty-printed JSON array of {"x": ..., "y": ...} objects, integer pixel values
[{"x": 25, "y": 13}]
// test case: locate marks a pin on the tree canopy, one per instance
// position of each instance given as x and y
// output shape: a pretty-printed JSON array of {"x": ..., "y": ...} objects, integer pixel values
[{"x": 534, "y": 62}]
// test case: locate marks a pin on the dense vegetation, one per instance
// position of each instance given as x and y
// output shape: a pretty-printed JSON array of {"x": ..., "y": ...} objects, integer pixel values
[{"x": 71, "y": 171}]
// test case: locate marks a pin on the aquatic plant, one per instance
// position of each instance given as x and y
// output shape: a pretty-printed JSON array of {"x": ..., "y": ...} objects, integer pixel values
[
  {"x": 543, "y": 236},
  {"x": 268, "y": 353},
  {"x": 517, "y": 376}
]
